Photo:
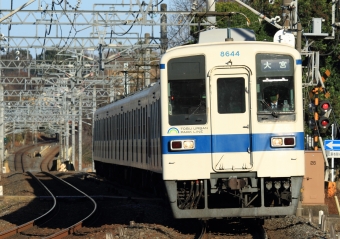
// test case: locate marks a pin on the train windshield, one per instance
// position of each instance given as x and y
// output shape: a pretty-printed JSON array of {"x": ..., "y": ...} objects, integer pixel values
[
  {"x": 187, "y": 90},
  {"x": 275, "y": 86},
  {"x": 187, "y": 102}
]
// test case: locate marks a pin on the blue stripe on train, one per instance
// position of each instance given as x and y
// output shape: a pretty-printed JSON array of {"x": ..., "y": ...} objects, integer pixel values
[{"x": 230, "y": 143}]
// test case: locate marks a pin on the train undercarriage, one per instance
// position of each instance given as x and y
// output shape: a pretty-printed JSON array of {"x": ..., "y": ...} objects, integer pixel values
[{"x": 226, "y": 195}]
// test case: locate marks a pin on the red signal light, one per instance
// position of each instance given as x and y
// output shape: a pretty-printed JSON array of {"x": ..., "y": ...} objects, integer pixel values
[
  {"x": 325, "y": 106},
  {"x": 324, "y": 123}
]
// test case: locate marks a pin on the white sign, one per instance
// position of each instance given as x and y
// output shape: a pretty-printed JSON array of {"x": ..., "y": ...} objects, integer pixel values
[{"x": 333, "y": 154}]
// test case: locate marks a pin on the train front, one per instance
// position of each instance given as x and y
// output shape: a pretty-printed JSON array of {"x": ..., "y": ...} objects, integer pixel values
[{"x": 232, "y": 130}]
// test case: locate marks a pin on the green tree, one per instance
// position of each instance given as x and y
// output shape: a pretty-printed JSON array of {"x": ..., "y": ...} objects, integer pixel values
[{"x": 244, "y": 18}]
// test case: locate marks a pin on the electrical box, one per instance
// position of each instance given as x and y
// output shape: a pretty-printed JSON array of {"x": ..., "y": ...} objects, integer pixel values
[{"x": 313, "y": 189}]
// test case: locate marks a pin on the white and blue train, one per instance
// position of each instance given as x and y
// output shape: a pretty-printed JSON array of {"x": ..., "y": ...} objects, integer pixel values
[{"x": 208, "y": 132}]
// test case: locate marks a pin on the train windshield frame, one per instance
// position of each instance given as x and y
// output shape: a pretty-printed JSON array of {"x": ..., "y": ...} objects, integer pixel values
[
  {"x": 275, "y": 87},
  {"x": 187, "y": 91}
]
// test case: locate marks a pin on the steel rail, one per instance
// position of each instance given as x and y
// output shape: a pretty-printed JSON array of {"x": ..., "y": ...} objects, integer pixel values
[
  {"x": 60, "y": 234},
  {"x": 70, "y": 230},
  {"x": 31, "y": 223}
]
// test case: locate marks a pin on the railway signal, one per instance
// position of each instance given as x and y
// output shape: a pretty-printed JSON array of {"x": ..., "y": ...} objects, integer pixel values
[{"x": 324, "y": 111}]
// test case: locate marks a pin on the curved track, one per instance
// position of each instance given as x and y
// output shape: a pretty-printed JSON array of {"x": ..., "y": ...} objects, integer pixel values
[
  {"x": 47, "y": 162},
  {"x": 19, "y": 162},
  {"x": 54, "y": 223},
  {"x": 21, "y": 158}
]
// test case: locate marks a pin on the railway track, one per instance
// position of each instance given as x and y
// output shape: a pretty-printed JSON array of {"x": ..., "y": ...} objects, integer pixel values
[
  {"x": 47, "y": 162},
  {"x": 21, "y": 163},
  {"x": 232, "y": 229},
  {"x": 71, "y": 208},
  {"x": 116, "y": 205}
]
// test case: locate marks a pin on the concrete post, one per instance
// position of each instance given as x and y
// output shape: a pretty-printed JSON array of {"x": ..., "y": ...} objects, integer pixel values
[
  {"x": 164, "y": 32},
  {"x": 80, "y": 134},
  {"x": 147, "y": 61},
  {"x": 93, "y": 118},
  {"x": 73, "y": 136}
]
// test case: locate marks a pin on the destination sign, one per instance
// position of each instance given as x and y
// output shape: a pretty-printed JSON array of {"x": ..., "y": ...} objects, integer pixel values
[{"x": 275, "y": 65}]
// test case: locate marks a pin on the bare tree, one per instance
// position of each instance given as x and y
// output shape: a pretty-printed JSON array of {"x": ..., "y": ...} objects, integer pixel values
[{"x": 182, "y": 33}]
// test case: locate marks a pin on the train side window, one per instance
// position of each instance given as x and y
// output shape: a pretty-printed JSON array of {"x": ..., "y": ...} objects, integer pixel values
[
  {"x": 107, "y": 129},
  {"x": 101, "y": 129},
  {"x": 144, "y": 124},
  {"x": 124, "y": 126},
  {"x": 139, "y": 124},
  {"x": 134, "y": 124},
  {"x": 110, "y": 128}
]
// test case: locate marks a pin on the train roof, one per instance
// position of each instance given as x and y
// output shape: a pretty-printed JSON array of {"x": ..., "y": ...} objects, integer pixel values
[
  {"x": 136, "y": 95},
  {"x": 220, "y": 35}
]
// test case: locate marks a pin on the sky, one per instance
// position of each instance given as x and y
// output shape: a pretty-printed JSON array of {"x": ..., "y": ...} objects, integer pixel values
[{"x": 130, "y": 30}]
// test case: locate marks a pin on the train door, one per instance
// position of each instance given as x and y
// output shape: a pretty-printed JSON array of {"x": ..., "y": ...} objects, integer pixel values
[{"x": 230, "y": 119}]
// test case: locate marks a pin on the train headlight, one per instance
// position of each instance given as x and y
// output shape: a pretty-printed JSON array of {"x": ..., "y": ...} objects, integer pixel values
[
  {"x": 277, "y": 184},
  {"x": 182, "y": 144},
  {"x": 282, "y": 141},
  {"x": 286, "y": 184},
  {"x": 269, "y": 185}
]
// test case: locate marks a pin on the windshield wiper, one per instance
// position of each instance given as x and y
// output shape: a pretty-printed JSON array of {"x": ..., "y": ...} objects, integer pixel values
[
  {"x": 199, "y": 106},
  {"x": 272, "y": 111}
]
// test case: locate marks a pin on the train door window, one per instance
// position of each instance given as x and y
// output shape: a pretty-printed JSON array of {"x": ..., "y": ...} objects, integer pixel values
[
  {"x": 275, "y": 87},
  {"x": 231, "y": 95}
]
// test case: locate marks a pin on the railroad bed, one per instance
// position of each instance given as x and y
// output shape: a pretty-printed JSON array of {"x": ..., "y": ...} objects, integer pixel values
[{"x": 123, "y": 214}]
